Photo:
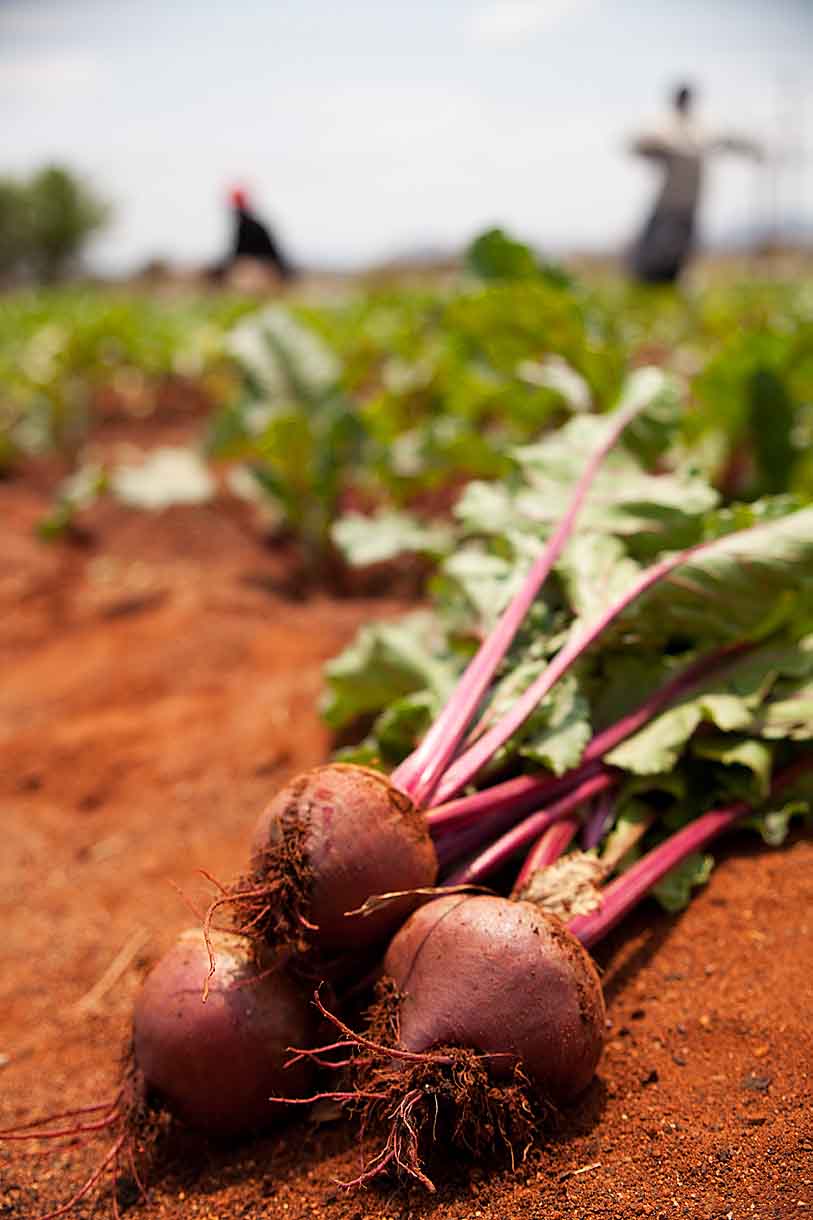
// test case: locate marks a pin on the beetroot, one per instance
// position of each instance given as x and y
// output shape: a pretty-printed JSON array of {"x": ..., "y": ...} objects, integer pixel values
[
  {"x": 490, "y": 1016},
  {"x": 339, "y": 835},
  {"x": 505, "y": 979},
  {"x": 213, "y": 1066},
  {"x": 329, "y": 840}
]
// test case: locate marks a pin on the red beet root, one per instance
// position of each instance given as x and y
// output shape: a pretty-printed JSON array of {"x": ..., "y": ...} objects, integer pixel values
[
  {"x": 490, "y": 1016},
  {"x": 328, "y": 841},
  {"x": 214, "y": 1065},
  {"x": 506, "y": 980}
]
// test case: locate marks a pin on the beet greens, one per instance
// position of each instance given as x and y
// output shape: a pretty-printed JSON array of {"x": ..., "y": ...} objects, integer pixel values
[{"x": 668, "y": 681}]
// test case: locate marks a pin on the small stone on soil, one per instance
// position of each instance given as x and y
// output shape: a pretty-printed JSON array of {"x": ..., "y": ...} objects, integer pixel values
[{"x": 756, "y": 1084}]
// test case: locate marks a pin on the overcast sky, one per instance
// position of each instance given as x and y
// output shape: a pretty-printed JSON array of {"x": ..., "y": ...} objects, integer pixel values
[{"x": 366, "y": 127}]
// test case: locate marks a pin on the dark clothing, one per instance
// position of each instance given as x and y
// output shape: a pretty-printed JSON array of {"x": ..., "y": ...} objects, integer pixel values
[
  {"x": 665, "y": 245},
  {"x": 680, "y": 149},
  {"x": 253, "y": 240}
]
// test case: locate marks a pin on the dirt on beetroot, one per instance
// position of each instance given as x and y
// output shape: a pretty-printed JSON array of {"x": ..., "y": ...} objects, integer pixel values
[{"x": 157, "y": 688}]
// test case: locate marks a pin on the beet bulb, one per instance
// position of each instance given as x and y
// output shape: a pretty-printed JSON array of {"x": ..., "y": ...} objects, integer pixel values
[
  {"x": 505, "y": 979},
  {"x": 214, "y": 1065},
  {"x": 328, "y": 841},
  {"x": 490, "y": 1016}
]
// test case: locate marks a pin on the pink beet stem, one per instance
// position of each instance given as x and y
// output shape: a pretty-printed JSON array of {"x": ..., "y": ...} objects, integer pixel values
[
  {"x": 622, "y": 894},
  {"x": 460, "y": 844},
  {"x": 469, "y": 763},
  {"x": 419, "y": 774},
  {"x": 520, "y": 836},
  {"x": 597, "y": 821},
  {"x": 515, "y": 796},
  {"x": 525, "y": 792},
  {"x": 550, "y": 845}
]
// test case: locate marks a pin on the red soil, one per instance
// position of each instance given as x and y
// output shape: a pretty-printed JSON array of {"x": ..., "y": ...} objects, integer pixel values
[{"x": 156, "y": 689}]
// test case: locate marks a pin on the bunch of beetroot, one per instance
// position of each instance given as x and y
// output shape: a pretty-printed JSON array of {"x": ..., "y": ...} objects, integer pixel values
[{"x": 489, "y": 1013}]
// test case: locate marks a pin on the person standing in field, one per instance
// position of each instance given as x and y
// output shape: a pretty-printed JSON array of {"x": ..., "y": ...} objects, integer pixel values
[
  {"x": 252, "y": 244},
  {"x": 680, "y": 148}
]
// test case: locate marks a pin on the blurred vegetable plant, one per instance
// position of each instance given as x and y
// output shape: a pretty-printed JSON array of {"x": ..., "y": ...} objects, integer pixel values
[{"x": 298, "y": 436}]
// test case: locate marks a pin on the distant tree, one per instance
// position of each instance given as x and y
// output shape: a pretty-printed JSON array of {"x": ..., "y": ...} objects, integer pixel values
[
  {"x": 64, "y": 212},
  {"x": 45, "y": 223}
]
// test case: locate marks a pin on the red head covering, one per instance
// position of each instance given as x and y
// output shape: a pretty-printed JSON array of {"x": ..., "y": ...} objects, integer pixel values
[{"x": 238, "y": 197}]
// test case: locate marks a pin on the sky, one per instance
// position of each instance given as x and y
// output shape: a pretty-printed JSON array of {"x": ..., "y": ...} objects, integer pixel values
[{"x": 366, "y": 128}]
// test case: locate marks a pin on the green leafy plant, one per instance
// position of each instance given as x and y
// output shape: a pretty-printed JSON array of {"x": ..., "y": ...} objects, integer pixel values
[
  {"x": 496, "y": 256},
  {"x": 668, "y": 662},
  {"x": 296, "y": 433},
  {"x": 62, "y": 349}
]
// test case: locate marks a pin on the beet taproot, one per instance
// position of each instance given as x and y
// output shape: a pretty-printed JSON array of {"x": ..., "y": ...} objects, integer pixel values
[
  {"x": 211, "y": 1065},
  {"x": 329, "y": 840},
  {"x": 505, "y": 979},
  {"x": 490, "y": 1017},
  {"x": 214, "y": 1065}
]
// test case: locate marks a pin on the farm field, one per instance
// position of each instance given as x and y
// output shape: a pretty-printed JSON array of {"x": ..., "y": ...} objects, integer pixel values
[{"x": 163, "y": 644}]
